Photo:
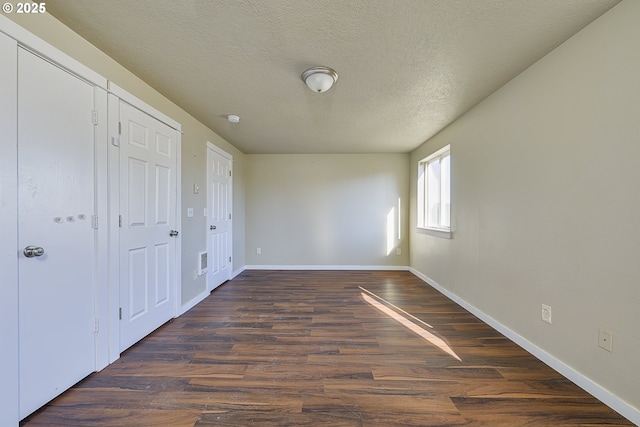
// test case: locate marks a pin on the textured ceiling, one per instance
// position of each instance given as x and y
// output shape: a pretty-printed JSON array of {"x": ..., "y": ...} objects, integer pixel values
[{"x": 407, "y": 68}]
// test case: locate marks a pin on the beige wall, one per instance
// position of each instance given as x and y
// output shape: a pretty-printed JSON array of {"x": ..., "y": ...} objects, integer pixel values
[
  {"x": 545, "y": 205},
  {"x": 327, "y": 209},
  {"x": 194, "y": 143}
]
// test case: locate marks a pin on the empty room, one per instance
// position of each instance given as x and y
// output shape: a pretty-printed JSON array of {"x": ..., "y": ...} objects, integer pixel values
[{"x": 303, "y": 213}]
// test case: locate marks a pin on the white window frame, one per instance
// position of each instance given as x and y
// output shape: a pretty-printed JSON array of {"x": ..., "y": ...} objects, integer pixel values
[{"x": 439, "y": 224}]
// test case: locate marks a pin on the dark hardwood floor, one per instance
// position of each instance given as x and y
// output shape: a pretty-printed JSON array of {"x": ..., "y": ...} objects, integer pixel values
[{"x": 325, "y": 348}]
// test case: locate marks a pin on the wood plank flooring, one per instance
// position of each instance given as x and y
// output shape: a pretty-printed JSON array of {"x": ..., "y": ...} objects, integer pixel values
[{"x": 311, "y": 348}]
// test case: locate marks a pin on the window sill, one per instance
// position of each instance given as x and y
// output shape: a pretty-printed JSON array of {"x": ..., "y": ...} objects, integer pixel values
[{"x": 436, "y": 232}]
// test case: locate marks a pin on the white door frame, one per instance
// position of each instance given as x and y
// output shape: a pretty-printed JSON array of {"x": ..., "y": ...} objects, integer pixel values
[
  {"x": 9, "y": 359},
  {"x": 229, "y": 157},
  {"x": 116, "y": 95}
]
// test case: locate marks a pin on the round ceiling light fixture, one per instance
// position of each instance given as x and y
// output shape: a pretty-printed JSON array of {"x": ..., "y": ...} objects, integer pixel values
[
  {"x": 319, "y": 79},
  {"x": 233, "y": 118}
]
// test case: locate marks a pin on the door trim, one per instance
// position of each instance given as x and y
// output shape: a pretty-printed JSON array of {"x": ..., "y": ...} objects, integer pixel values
[
  {"x": 116, "y": 95},
  {"x": 102, "y": 232},
  {"x": 9, "y": 357},
  {"x": 229, "y": 157},
  {"x": 135, "y": 102},
  {"x": 37, "y": 46}
]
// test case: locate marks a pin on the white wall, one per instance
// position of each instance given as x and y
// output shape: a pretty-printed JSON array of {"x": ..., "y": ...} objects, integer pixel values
[
  {"x": 327, "y": 210},
  {"x": 8, "y": 232},
  {"x": 545, "y": 204}
]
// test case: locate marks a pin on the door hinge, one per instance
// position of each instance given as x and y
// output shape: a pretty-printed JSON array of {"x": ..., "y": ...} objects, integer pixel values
[
  {"x": 119, "y": 128},
  {"x": 119, "y": 220},
  {"x": 94, "y": 222},
  {"x": 229, "y": 259},
  {"x": 229, "y": 173},
  {"x": 94, "y": 117},
  {"x": 96, "y": 325},
  {"x": 229, "y": 216},
  {"x": 120, "y": 313}
]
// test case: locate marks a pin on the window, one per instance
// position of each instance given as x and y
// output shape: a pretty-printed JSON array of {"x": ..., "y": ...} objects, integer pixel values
[{"x": 434, "y": 192}]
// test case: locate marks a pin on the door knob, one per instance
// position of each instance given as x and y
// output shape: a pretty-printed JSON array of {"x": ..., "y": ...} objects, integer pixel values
[
  {"x": 173, "y": 233},
  {"x": 33, "y": 251},
  {"x": 212, "y": 227}
]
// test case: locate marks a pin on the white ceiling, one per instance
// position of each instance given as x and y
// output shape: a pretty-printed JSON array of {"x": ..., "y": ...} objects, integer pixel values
[{"x": 407, "y": 68}]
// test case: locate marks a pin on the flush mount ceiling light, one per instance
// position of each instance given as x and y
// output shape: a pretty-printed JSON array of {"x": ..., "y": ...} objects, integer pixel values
[
  {"x": 233, "y": 118},
  {"x": 320, "y": 79}
]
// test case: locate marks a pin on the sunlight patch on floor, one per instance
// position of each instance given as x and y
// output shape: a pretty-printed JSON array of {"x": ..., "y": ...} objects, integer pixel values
[{"x": 399, "y": 316}]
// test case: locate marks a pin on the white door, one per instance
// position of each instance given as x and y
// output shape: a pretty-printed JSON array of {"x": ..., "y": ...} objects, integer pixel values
[
  {"x": 8, "y": 235},
  {"x": 148, "y": 170},
  {"x": 55, "y": 204},
  {"x": 219, "y": 219}
]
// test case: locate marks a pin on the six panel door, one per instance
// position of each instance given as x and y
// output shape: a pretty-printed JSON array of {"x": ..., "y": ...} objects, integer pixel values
[
  {"x": 219, "y": 217},
  {"x": 148, "y": 168}
]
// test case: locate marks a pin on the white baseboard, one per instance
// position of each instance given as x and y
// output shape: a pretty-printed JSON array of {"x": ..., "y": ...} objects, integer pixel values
[
  {"x": 237, "y": 272},
  {"x": 193, "y": 302},
  {"x": 596, "y": 390},
  {"x": 328, "y": 267},
  {"x": 198, "y": 299}
]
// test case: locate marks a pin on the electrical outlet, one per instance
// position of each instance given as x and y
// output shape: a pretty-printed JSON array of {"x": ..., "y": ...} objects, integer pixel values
[
  {"x": 195, "y": 274},
  {"x": 190, "y": 212},
  {"x": 605, "y": 339},
  {"x": 546, "y": 313},
  {"x": 259, "y": 251},
  {"x": 398, "y": 251}
]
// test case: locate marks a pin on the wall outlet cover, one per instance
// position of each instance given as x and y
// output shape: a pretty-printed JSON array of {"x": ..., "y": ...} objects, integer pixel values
[
  {"x": 605, "y": 339},
  {"x": 546, "y": 313}
]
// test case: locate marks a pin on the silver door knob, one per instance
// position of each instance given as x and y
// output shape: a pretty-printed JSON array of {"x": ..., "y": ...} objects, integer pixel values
[
  {"x": 212, "y": 227},
  {"x": 173, "y": 233},
  {"x": 33, "y": 251}
]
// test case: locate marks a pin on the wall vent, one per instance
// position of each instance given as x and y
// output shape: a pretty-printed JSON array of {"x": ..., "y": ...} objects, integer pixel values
[{"x": 202, "y": 263}]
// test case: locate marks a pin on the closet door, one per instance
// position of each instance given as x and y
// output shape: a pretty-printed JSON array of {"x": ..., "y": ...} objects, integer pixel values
[
  {"x": 219, "y": 217},
  {"x": 148, "y": 234},
  {"x": 8, "y": 234},
  {"x": 56, "y": 239}
]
